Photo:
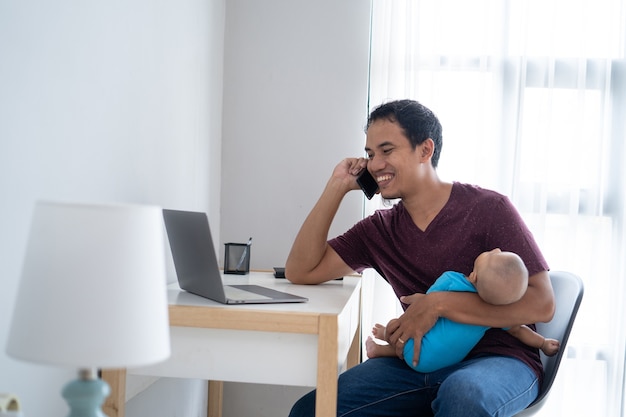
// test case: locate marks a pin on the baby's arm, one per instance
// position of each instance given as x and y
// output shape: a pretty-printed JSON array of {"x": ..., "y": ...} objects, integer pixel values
[{"x": 534, "y": 339}]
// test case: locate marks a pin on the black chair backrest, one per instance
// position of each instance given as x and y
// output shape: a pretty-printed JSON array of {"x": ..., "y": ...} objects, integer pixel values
[{"x": 568, "y": 293}]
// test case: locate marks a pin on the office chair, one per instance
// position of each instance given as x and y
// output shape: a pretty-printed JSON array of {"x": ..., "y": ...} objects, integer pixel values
[{"x": 568, "y": 293}]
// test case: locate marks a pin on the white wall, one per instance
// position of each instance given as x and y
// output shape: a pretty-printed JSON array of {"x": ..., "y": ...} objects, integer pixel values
[
  {"x": 102, "y": 101},
  {"x": 295, "y": 104},
  {"x": 122, "y": 101}
]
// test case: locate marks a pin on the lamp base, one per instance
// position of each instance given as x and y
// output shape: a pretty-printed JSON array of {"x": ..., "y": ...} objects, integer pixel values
[{"x": 86, "y": 395}]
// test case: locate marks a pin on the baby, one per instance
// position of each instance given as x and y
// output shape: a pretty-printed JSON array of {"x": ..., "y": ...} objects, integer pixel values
[{"x": 499, "y": 278}]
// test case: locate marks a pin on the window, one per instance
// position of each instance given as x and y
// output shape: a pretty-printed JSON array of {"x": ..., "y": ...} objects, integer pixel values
[{"x": 531, "y": 95}]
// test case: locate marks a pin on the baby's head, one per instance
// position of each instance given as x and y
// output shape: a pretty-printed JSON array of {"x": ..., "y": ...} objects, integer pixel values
[{"x": 499, "y": 277}]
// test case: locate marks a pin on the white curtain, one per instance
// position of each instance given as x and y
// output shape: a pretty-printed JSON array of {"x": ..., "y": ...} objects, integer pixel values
[{"x": 532, "y": 98}]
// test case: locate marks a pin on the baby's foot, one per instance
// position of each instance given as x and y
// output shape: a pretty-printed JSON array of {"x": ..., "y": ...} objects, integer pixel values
[
  {"x": 375, "y": 350},
  {"x": 379, "y": 331}
]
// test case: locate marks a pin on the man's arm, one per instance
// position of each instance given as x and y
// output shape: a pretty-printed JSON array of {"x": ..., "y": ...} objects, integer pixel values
[
  {"x": 537, "y": 305},
  {"x": 311, "y": 260}
]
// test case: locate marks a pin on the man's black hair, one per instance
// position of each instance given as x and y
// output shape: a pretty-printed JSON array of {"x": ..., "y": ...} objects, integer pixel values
[{"x": 416, "y": 120}]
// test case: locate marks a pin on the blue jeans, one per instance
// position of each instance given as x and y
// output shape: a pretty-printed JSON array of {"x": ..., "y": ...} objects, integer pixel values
[{"x": 485, "y": 386}]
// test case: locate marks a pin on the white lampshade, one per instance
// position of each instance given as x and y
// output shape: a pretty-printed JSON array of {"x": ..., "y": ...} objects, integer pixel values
[{"x": 92, "y": 292}]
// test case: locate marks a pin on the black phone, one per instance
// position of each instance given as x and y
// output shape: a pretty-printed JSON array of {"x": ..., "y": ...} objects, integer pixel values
[{"x": 367, "y": 183}]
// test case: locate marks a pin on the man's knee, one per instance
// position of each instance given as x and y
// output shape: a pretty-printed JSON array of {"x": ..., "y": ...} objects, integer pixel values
[
  {"x": 461, "y": 395},
  {"x": 461, "y": 385},
  {"x": 491, "y": 387}
]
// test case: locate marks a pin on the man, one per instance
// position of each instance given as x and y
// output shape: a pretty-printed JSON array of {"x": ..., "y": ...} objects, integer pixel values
[{"x": 436, "y": 226}]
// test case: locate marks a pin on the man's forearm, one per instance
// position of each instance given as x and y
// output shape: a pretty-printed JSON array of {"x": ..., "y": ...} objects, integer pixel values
[
  {"x": 536, "y": 306},
  {"x": 310, "y": 245}
]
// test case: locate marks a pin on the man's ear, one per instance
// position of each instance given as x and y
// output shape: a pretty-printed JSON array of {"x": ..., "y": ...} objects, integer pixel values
[{"x": 428, "y": 148}]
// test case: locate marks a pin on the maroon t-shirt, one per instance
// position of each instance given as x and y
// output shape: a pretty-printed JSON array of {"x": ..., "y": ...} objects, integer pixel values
[{"x": 473, "y": 220}]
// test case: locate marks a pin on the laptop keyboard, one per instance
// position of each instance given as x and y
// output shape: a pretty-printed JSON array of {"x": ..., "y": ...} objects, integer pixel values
[{"x": 239, "y": 294}]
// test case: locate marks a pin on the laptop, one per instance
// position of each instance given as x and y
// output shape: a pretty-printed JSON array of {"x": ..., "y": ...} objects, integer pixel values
[{"x": 196, "y": 266}]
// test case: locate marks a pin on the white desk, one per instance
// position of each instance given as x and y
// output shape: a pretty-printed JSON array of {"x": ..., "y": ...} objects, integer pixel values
[{"x": 303, "y": 344}]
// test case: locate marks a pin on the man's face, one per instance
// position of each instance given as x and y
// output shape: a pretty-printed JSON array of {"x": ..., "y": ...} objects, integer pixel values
[{"x": 392, "y": 161}]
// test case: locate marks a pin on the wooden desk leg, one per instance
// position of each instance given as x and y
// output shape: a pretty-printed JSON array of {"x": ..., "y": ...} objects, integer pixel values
[
  {"x": 114, "y": 405},
  {"x": 327, "y": 373},
  {"x": 216, "y": 393},
  {"x": 354, "y": 354}
]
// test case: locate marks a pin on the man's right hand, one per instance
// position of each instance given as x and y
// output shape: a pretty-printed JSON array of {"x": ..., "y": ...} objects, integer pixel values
[{"x": 348, "y": 170}]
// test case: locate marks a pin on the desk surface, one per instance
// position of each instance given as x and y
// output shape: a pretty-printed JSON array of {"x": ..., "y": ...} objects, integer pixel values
[
  {"x": 189, "y": 310},
  {"x": 305, "y": 344},
  {"x": 329, "y": 297}
]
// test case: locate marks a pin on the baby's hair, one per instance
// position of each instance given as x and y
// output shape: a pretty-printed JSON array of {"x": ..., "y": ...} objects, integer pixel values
[{"x": 506, "y": 280}]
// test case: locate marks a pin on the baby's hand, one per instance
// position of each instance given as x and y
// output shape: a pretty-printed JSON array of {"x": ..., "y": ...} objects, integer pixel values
[{"x": 550, "y": 347}]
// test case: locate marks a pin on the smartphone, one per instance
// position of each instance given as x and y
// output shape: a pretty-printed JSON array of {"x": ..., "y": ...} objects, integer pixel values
[{"x": 367, "y": 183}]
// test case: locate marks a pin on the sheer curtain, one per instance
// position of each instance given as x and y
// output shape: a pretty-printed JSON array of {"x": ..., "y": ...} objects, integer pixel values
[{"x": 532, "y": 98}]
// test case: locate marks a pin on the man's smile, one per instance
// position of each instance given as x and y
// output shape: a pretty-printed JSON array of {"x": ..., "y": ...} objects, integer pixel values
[{"x": 383, "y": 178}]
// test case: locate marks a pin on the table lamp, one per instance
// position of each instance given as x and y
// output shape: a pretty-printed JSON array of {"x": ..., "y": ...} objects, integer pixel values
[{"x": 92, "y": 295}]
